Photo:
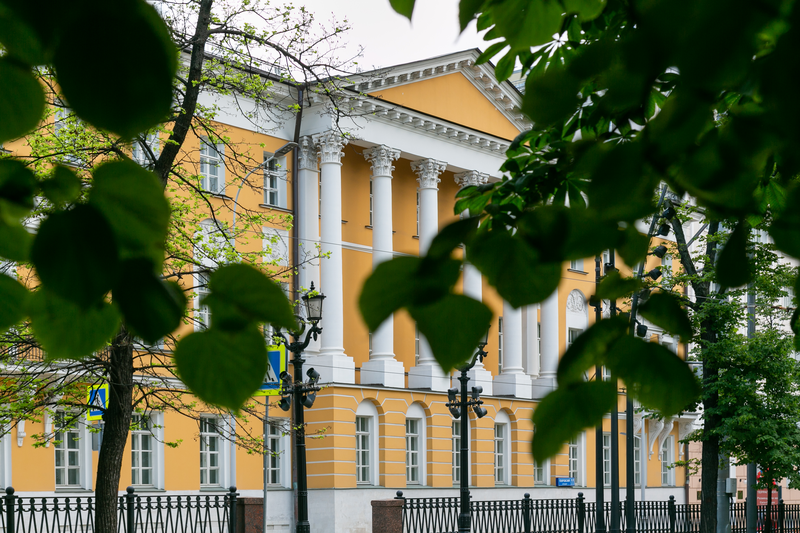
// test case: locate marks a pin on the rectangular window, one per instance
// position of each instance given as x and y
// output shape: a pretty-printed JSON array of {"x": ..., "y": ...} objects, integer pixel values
[
  {"x": 788, "y": 300},
  {"x": 67, "y": 444},
  {"x": 667, "y": 458},
  {"x": 146, "y": 149},
  {"x": 362, "y": 450},
  {"x": 275, "y": 181},
  {"x": 456, "y": 452},
  {"x": 417, "y": 212},
  {"x": 412, "y": 451},
  {"x": 369, "y": 335},
  {"x": 499, "y": 454},
  {"x": 540, "y": 473},
  {"x": 142, "y": 450},
  {"x": 371, "y": 203},
  {"x": 66, "y": 128},
  {"x": 276, "y": 246},
  {"x": 606, "y": 459},
  {"x": 274, "y": 436},
  {"x": 212, "y": 169},
  {"x": 203, "y": 312},
  {"x": 576, "y": 264},
  {"x": 637, "y": 461},
  {"x": 500, "y": 344},
  {"x": 606, "y": 374},
  {"x": 210, "y": 452},
  {"x": 574, "y": 463},
  {"x": 572, "y": 335}
]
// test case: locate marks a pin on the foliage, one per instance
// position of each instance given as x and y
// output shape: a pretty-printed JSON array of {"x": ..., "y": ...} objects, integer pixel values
[{"x": 625, "y": 96}]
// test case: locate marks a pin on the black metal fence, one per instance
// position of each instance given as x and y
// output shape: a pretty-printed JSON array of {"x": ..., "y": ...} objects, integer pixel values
[
  {"x": 136, "y": 514},
  {"x": 440, "y": 515}
]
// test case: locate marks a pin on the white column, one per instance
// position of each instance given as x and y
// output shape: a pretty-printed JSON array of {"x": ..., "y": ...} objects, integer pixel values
[
  {"x": 512, "y": 381},
  {"x": 332, "y": 363},
  {"x": 550, "y": 337},
  {"x": 427, "y": 374},
  {"x": 382, "y": 368},
  {"x": 532, "y": 339},
  {"x": 308, "y": 222},
  {"x": 473, "y": 287}
]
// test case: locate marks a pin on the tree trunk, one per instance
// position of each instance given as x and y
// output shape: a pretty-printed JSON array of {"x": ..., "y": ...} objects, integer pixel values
[
  {"x": 117, "y": 420},
  {"x": 710, "y": 458}
]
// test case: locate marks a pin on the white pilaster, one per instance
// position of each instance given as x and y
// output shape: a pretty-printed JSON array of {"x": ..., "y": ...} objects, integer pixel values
[
  {"x": 531, "y": 334},
  {"x": 549, "y": 320},
  {"x": 332, "y": 363},
  {"x": 473, "y": 287},
  {"x": 427, "y": 374},
  {"x": 382, "y": 368},
  {"x": 308, "y": 221},
  {"x": 512, "y": 381}
]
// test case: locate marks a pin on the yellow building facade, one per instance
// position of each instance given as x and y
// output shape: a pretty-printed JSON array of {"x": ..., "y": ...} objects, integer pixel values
[{"x": 374, "y": 185}]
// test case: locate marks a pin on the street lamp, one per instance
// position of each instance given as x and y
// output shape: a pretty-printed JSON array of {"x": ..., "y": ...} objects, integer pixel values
[
  {"x": 303, "y": 394},
  {"x": 457, "y": 407}
]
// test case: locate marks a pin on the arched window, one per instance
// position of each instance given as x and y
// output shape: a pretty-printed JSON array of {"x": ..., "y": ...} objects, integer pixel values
[
  {"x": 416, "y": 425},
  {"x": 367, "y": 431}
]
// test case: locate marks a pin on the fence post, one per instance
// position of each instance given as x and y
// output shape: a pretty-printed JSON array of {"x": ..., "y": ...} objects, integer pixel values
[
  {"x": 11, "y": 506},
  {"x": 672, "y": 512},
  {"x": 781, "y": 515},
  {"x": 581, "y": 513},
  {"x": 130, "y": 517},
  {"x": 232, "y": 511},
  {"x": 526, "y": 513}
]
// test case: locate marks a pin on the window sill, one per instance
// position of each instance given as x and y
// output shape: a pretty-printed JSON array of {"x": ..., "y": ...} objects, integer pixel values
[
  {"x": 219, "y": 195},
  {"x": 577, "y": 271},
  {"x": 370, "y": 227},
  {"x": 219, "y": 488},
  {"x": 73, "y": 490},
  {"x": 276, "y": 208},
  {"x": 141, "y": 489},
  {"x": 415, "y": 237}
]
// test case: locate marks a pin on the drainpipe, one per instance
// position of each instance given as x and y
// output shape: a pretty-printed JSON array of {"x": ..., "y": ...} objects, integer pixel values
[{"x": 296, "y": 187}]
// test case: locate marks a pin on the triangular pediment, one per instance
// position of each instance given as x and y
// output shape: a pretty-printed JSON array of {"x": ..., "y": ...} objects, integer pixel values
[{"x": 451, "y": 88}]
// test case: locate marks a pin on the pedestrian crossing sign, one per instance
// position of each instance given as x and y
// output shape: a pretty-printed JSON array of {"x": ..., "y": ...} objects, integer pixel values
[
  {"x": 97, "y": 400},
  {"x": 276, "y": 363}
]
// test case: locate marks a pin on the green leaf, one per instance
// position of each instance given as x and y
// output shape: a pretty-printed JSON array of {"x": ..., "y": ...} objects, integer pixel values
[
  {"x": 563, "y": 413},
  {"x": 242, "y": 295},
  {"x": 19, "y": 38},
  {"x": 633, "y": 246},
  {"x": 62, "y": 187},
  {"x": 453, "y": 326},
  {"x": 17, "y": 189},
  {"x": 468, "y": 10},
  {"x": 733, "y": 267},
  {"x": 526, "y": 23},
  {"x": 587, "y": 10},
  {"x": 404, "y": 7},
  {"x": 496, "y": 253},
  {"x": 133, "y": 201},
  {"x": 125, "y": 101},
  {"x": 614, "y": 286},
  {"x": 151, "y": 306},
  {"x": 222, "y": 368},
  {"x": 589, "y": 349},
  {"x": 665, "y": 311},
  {"x": 451, "y": 237},
  {"x": 505, "y": 67},
  {"x": 21, "y": 100},
  {"x": 550, "y": 97},
  {"x": 68, "y": 331},
  {"x": 15, "y": 242},
  {"x": 15, "y": 299},
  {"x": 490, "y": 52},
  {"x": 655, "y": 376},
  {"x": 785, "y": 229},
  {"x": 75, "y": 255}
]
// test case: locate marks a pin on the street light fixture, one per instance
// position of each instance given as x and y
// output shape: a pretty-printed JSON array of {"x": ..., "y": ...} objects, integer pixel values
[
  {"x": 457, "y": 407},
  {"x": 303, "y": 394}
]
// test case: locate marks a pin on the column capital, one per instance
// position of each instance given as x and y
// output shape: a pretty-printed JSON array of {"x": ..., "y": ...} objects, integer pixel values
[
  {"x": 471, "y": 177},
  {"x": 329, "y": 146},
  {"x": 428, "y": 171},
  {"x": 381, "y": 158},
  {"x": 308, "y": 154}
]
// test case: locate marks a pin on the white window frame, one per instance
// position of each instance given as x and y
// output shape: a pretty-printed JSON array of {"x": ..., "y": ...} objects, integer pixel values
[
  {"x": 369, "y": 438},
  {"x": 637, "y": 461},
  {"x": 220, "y": 433},
  {"x": 5, "y": 456},
  {"x": 278, "y": 441},
  {"x": 417, "y": 212},
  {"x": 60, "y": 118},
  {"x": 371, "y": 203},
  {"x": 576, "y": 264},
  {"x": 212, "y": 155},
  {"x": 142, "y": 156},
  {"x": 456, "y": 451},
  {"x": 203, "y": 314},
  {"x": 541, "y": 473},
  {"x": 572, "y": 335},
  {"x": 607, "y": 459},
  {"x": 667, "y": 459},
  {"x": 502, "y": 449},
  {"x": 275, "y": 190},
  {"x": 276, "y": 245},
  {"x": 416, "y": 414},
  {"x": 83, "y": 452},
  {"x": 156, "y": 436},
  {"x": 499, "y": 344},
  {"x": 576, "y": 451},
  {"x": 416, "y": 344}
]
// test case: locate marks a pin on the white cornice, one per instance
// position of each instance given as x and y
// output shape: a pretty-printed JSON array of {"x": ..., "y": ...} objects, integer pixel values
[{"x": 503, "y": 95}]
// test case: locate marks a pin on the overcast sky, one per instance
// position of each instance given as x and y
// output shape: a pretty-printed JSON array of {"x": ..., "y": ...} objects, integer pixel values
[{"x": 390, "y": 39}]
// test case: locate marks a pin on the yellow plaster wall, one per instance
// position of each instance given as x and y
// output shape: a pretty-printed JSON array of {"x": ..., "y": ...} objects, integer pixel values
[{"x": 449, "y": 97}]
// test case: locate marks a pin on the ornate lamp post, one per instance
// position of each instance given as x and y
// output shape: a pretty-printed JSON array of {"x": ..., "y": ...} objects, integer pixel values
[
  {"x": 304, "y": 394},
  {"x": 457, "y": 407}
]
